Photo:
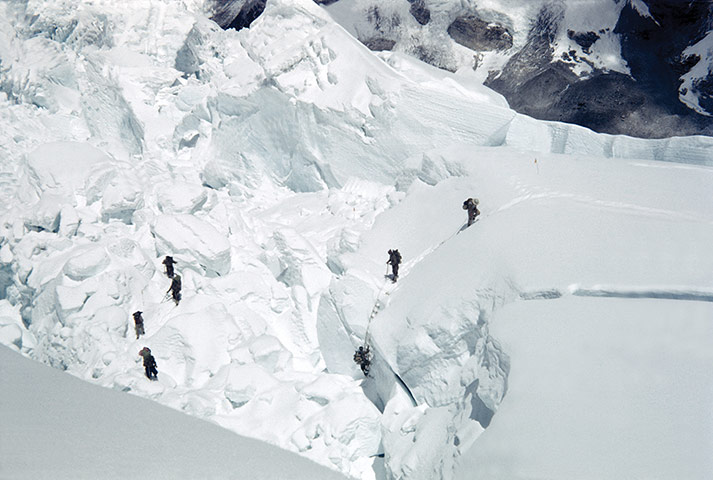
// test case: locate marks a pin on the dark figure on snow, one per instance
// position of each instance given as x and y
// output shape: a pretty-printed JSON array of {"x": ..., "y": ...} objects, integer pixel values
[
  {"x": 362, "y": 357},
  {"x": 169, "y": 262},
  {"x": 472, "y": 206},
  {"x": 149, "y": 363},
  {"x": 394, "y": 261},
  {"x": 175, "y": 288},
  {"x": 139, "y": 324}
]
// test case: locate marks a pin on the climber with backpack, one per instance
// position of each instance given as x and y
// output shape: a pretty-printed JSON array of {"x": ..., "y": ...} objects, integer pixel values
[
  {"x": 139, "y": 324},
  {"x": 175, "y": 288},
  {"x": 169, "y": 262},
  {"x": 394, "y": 261},
  {"x": 362, "y": 357},
  {"x": 472, "y": 206},
  {"x": 149, "y": 363}
]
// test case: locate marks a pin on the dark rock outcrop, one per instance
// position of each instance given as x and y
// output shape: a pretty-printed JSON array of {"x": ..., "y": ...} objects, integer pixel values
[
  {"x": 419, "y": 11},
  {"x": 533, "y": 60},
  {"x": 385, "y": 30},
  {"x": 379, "y": 44},
  {"x": 583, "y": 39},
  {"x": 476, "y": 34},
  {"x": 434, "y": 55},
  {"x": 237, "y": 14},
  {"x": 643, "y": 104}
]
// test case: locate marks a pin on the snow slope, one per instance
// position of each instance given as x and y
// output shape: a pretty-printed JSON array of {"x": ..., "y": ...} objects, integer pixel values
[
  {"x": 58, "y": 427},
  {"x": 639, "y": 67},
  {"x": 560, "y": 227},
  {"x": 586, "y": 402},
  {"x": 278, "y": 164}
]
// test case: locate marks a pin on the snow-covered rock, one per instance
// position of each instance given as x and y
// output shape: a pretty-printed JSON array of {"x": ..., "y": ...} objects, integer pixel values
[{"x": 639, "y": 67}]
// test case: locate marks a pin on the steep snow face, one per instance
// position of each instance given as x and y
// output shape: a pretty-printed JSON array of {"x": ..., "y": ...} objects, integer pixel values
[{"x": 278, "y": 164}]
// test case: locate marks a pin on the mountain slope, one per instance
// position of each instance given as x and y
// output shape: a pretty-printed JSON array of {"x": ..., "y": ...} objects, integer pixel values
[
  {"x": 278, "y": 164},
  {"x": 638, "y": 68},
  {"x": 56, "y": 426},
  {"x": 601, "y": 388}
]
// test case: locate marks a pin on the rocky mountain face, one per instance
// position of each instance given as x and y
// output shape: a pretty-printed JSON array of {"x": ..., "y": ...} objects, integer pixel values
[
  {"x": 643, "y": 103},
  {"x": 637, "y": 67},
  {"x": 236, "y": 14}
]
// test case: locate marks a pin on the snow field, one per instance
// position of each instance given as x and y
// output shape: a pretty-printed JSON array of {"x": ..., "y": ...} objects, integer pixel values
[
  {"x": 58, "y": 427},
  {"x": 585, "y": 401},
  {"x": 237, "y": 341},
  {"x": 560, "y": 227},
  {"x": 278, "y": 165}
]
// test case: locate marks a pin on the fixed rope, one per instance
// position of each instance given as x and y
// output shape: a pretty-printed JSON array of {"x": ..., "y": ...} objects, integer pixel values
[{"x": 377, "y": 307}]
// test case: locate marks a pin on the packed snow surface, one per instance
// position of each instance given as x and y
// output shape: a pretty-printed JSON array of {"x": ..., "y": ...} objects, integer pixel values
[
  {"x": 644, "y": 406},
  {"x": 58, "y": 427},
  {"x": 278, "y": 165}
]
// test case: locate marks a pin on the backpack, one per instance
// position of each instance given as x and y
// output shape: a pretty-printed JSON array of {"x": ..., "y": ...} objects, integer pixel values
[{"x": 470, "y": 203}]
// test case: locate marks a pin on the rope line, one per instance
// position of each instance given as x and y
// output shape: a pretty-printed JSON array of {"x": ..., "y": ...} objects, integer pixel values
[{"x": 374, "y": 311}]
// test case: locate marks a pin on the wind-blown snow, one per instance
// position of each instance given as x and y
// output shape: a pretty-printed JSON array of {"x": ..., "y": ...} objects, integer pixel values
[{"x": 278, "y": 164}]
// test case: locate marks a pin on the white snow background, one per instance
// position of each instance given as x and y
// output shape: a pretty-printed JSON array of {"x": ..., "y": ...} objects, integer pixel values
[
  {"x": 566, "y": 335},
  {"x": 59, "y": 427}
]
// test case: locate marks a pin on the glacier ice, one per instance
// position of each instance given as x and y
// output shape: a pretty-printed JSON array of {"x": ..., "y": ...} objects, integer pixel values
[{"x": 278, "y": 164}]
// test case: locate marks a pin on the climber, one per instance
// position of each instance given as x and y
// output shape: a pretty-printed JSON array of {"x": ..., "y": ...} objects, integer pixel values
[
  {"x": 175, "y": 288},
  {"x": 169, "y": 262},
  {"x": 362, "y": 357},
  {"x": 472, "y": 206},
  {"x": 394, "y": 261},
  {"x": 149, "y": 363},
  {"x": 139, "y": 324}
]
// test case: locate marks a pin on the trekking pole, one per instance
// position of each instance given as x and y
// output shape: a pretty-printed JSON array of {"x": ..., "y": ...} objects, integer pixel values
[{"x": 167, "y": 296}]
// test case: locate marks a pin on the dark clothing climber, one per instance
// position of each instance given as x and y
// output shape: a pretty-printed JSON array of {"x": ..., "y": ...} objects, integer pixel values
[
  {"x": 362, "y": 357},
  {"x": 139, "y": 324},
  {"x": 175, "y": 288},
  {"x": 169, "y": 262},
  {"x": 149, "y": 363},
  {"x": 472, "y": 206},
  {"x": 394, "y": 261}
]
